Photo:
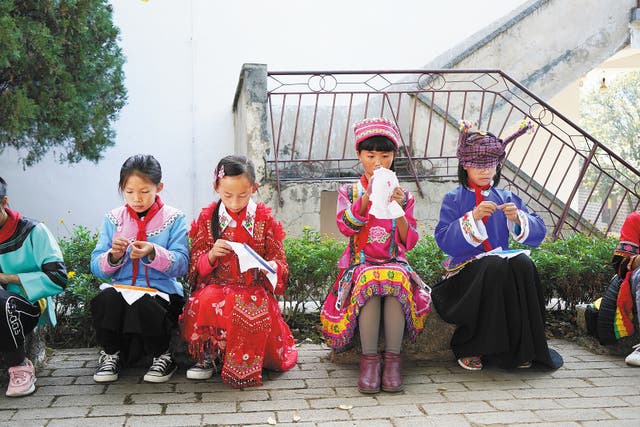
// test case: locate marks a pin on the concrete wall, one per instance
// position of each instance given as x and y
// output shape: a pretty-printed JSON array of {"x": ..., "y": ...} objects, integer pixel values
[{"x": 183, "y": 60}]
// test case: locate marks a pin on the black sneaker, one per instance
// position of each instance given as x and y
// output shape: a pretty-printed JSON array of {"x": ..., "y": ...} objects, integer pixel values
[
  {"x": 161, "y": 369},
  {"x": 108, "y": 367}
]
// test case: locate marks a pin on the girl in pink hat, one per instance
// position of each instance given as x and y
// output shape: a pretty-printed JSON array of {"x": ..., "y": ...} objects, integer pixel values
[
  {"x": 493, "y": 295},
  {"x": 375, "y": 281}
]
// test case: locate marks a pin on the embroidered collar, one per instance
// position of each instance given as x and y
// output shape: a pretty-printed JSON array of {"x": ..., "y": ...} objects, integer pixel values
[
  {"x": 485, "y": 193},
  {"x": 248, "y": 222}
]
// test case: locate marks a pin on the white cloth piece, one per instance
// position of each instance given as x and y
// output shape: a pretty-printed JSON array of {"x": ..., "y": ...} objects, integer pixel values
[
  {"x": 248, "y": 258},
  {"x": 384, "y": 182},
  {"x": 132, "y": 294}
]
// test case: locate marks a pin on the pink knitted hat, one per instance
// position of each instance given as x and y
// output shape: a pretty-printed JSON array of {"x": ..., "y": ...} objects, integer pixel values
[{"x": 378, "y": 126}]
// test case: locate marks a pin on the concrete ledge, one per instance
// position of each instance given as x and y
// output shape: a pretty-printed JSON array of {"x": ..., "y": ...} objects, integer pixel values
[{"x": 432, "y": 343}]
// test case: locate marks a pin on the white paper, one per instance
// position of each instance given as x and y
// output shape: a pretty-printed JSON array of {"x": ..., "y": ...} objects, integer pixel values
[
  {"x": 248, "y": 258},
  {"x": 132, "y": 294},
  {"x": 384, "y": 182},
  {"x": 509, "y": 253}
]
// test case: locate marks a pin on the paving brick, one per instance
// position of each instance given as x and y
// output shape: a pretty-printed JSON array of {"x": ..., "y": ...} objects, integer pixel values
[
  {"x": 580, "y": 373},
  {"x": 572, "y": 414},
  {"x": 524, "y": 404},
  {"x": 432, "y": 421},
  {"x": 111, "y": 410},
  {"x": 165, "y": 421},
  {"x": 629, "y": 413},
  {"x": 315, "y": 415},
  {"x": 335, "y": 402},
  {"x": 395, "y": 411},
  {"x": 497, "y": 385},
  {"x": 273, "y": 405},
  {"x": 606, "y": 391},
  {"x": 164, "y": 398},
  {"x": 610, "y": 423},
  {"x": 558, "y": 383},
  {"x": 302, "y": 393},
  {"x": 239, "y": 418},
  {"x": 434, "y": 388},
  {"x": 537, "y": 393},
  {"x": 201, "y": 408},
  {"x": 235, "y": 395},
  {"x": 44, "y": 413},
  {"x": 457, "y": 408},
  {"x": 417, "y": 399},
  {"x": 502, "y": 417},
  {"x": 359, "y": 423},
  {"x": 33, "y": 401},
  {"x": 90, "y": 400},
  {"x": 468, "y": 396},
  {"x": 592, "y": 402},
  {"x": 62, "y": 390},
  {"x": 94, "y": 422}
]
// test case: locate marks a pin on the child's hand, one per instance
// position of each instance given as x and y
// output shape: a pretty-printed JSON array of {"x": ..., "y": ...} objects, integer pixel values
[
  {"x": 510, "y": 211},
  {"x": 485, "y": 208},
  {"x": 398, "y": 196},
  {"x": 140, "y": 249},
  {"x": 118, "y": 248},
  {"x": 220, "y": 248}
]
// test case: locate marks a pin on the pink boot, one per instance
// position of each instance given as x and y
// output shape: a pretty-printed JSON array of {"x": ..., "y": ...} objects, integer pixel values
[
  {"x": 369, "y": 381},
  {"x": 392, "y": 372}
]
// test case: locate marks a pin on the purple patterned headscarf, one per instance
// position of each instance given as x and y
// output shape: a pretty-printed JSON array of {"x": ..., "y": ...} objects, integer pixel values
[{"x": 482, "y": 150}]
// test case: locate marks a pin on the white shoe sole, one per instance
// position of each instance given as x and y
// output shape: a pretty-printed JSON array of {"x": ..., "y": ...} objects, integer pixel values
[
  {"x": 156, "y": 379},
  {"x": 199, "y": 375},
  {"x": 24, "y": 393},
  {"x": 105, "y": 378}
]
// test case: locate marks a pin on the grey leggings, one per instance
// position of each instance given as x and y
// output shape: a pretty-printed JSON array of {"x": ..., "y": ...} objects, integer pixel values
[{"x": 369, "y": 325}]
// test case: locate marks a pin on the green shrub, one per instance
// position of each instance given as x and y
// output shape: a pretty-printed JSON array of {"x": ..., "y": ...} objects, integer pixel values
[
  {"x": 313, "y": 269},
  {"x": 576, "y": 269},
  {"x": 426, "y": 259},
  {"x": 74, "y": 327}
]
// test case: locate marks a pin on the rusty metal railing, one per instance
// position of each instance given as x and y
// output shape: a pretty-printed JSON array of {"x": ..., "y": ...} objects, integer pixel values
[{"x": 561, "y": 171}]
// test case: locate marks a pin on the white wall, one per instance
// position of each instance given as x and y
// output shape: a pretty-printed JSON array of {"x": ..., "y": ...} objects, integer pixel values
[{"x": 183, "y": 62}]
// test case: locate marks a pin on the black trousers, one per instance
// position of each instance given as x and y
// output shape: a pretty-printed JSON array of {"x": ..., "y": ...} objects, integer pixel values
[
  {"x": 18, "y": 318},
  {"x": 142, "y": 328}
]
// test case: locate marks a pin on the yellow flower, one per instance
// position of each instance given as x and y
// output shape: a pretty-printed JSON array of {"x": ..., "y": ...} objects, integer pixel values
[
  {"x": 71, "y": 274},
  {"x": 61, "y": 221}
]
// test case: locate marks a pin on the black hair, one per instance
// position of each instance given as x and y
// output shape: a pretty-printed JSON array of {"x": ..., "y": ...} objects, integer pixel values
[
  {"x": 233, "y": 165},
  {"x": 3, "y": 187},
  {"x": 463, "y": 177},
  {"x": 379, "y": 143},
  {"x": 143, "y": 165}
]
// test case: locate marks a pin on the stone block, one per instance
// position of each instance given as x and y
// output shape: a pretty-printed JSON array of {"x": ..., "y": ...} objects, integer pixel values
[{"x": 432, "y": 344}]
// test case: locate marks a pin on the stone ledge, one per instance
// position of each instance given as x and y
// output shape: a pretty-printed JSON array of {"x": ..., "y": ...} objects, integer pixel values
[{"x": 432, "y": 344}]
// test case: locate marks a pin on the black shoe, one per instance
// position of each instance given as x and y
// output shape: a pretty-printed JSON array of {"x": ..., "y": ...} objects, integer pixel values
[
  {"x": 108, "y": 367},
  {"x": 161, "y": 369}
]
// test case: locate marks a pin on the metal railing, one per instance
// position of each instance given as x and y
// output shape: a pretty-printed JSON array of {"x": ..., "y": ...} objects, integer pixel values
[{"x": 560, "y": 171}]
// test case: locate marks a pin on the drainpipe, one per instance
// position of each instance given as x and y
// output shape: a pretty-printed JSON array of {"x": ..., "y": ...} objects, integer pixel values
[{"x": 634, "y": 27}]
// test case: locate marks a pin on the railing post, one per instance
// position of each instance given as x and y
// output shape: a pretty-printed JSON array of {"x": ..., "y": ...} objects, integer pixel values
[
  {"x": 252, "y": 136},
  {"x": 574, "y": 190}
]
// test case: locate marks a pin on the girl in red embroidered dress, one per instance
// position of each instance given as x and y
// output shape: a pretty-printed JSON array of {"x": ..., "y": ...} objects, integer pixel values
[{"x": 233, "y": 316}]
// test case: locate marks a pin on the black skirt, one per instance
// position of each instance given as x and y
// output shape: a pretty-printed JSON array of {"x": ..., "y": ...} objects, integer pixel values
[
  {"x": 498, "y": 306},
  {"x": 136, "y": 330}
]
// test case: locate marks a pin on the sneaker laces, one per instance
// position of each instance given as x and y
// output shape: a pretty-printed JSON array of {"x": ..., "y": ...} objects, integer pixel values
[
  {"x": 108, "y": 361},
  {"x": 161, "y": 362},
  {"x": 205, "y": 364}
]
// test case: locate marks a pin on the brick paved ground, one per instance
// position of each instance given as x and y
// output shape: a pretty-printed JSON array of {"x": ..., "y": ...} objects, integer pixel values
[{"x": 590, "y": 390}]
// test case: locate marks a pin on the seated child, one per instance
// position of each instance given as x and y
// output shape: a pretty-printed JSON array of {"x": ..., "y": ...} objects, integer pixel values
[
  {"x": 142, "y": 244},
  {"x": 31, "y": 272},
  {"x": 232, "y": 315}
]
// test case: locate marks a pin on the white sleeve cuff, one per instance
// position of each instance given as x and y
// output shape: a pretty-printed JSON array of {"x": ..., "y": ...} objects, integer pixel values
[
  {"x": 523, "y": 227},
  {"x": 474, "y": 232}
]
